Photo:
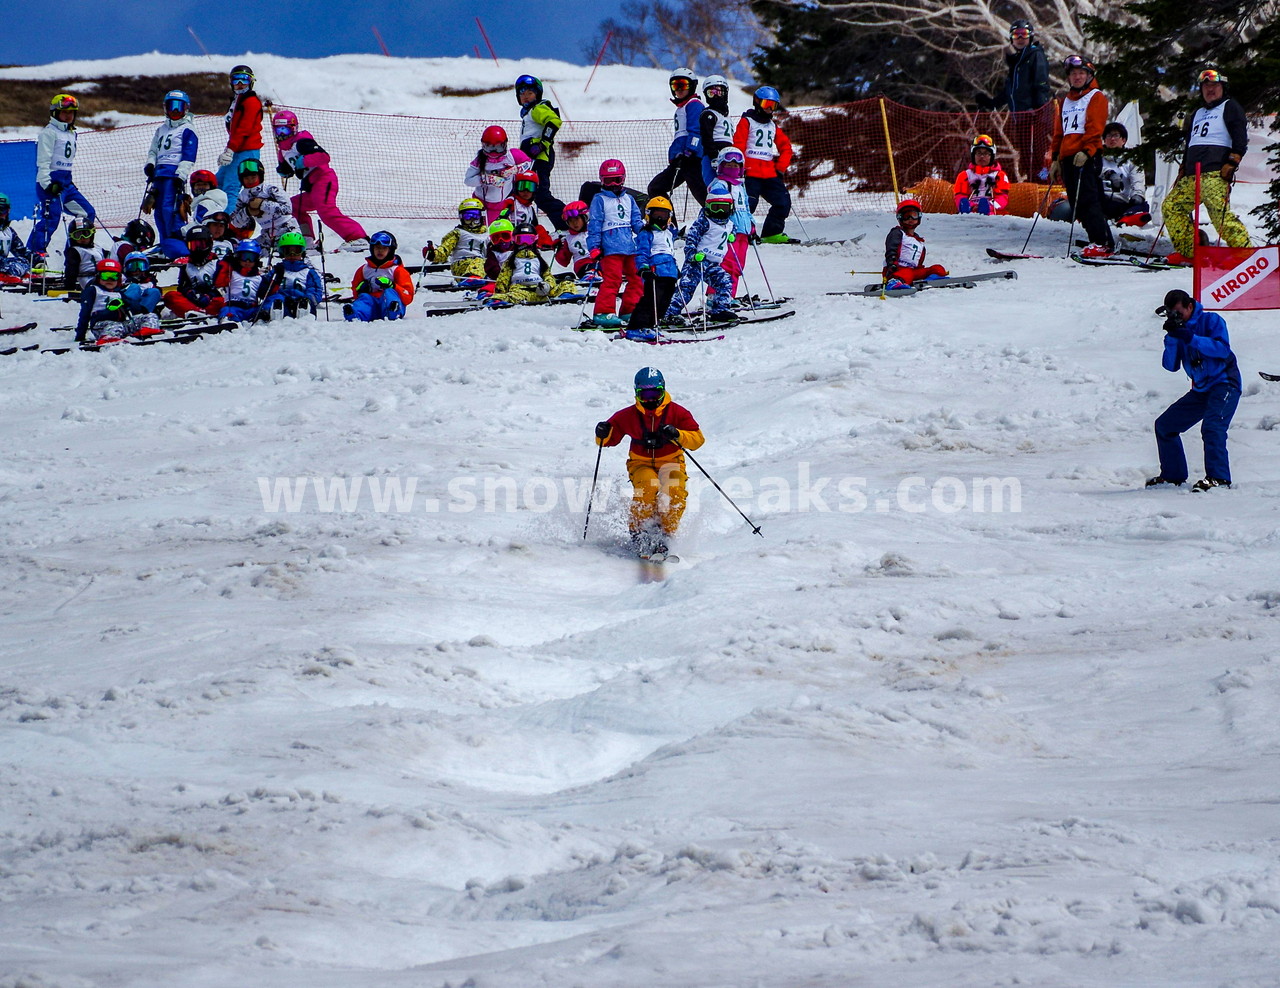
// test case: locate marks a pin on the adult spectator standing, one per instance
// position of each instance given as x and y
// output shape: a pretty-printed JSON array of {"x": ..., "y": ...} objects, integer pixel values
[
  {"x": 1027, "y": 86},
  {"x": 1076, "y": 152},
  {"x": 1217, "y": 138}
]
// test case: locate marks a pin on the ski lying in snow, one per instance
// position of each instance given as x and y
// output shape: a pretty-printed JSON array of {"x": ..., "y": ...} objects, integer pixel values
[
  {"x": 181, "y": 336},
  {"x": 13, "y": 330},
  {"x": 1001, "y": 255},
  {"x": 953, "y": 281},
  {"x": 1154, "y": 264},
  {"x": 693, "y": 321},
  {"x": 958, "y": 281},
  {"x": 1268, "y": 377},
  {"x": 451, "y": 310},
  {"x": 654, "y": 337}
]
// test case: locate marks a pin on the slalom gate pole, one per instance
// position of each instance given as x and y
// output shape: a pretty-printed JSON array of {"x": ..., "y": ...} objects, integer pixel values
[
  {"x": 1071, "y": 234},
  {"x": 1036, "y": 216},
  {"x": 592, "y": 497},
  {"x": 888, "y": 146},
  {"x": 754, "y": 527},
  {"x": 1197, "y": 219},
  {"x": 764, "y": 274}
]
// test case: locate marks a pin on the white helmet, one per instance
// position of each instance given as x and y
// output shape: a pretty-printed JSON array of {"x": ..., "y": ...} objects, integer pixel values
[
  {"x": 715, "y": 80},
  {"x": 687, "y": 74}
]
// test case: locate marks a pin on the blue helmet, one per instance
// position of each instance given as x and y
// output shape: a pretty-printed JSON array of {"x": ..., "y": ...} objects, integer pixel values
[
  {"x": 528, "y": 82},
  {"x": 176, "y": 101},
  {"x": 136, "y": 262},
  {"x": 767, "y": 93},
  {"x": 249, "y": 247},
  {"x": 650, "y": 377}
]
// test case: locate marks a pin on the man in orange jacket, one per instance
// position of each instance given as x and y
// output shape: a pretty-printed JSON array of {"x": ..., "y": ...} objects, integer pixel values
[
  {"x": 768, "y": 153},
  {"x": 381, "y": 287},
  {"x": 1076, "y": 153},
  {"x": 660, "y": 431}
]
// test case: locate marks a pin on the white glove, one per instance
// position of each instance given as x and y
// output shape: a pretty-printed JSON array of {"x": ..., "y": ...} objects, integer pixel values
[{"x": 224, "y": 159}]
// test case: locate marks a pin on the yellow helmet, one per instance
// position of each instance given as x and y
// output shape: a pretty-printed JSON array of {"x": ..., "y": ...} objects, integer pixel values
[
  {"x": 63, "y": 101},
  {"x": 659, "y": 202},
  {"x": 471, "y": 203}
]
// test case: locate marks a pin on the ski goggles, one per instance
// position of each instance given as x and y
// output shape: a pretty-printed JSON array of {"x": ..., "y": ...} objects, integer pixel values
[
  {"x": 501, "y": 240},
  {"x": 240, "y": 79},
  {"x": 471, "y": 215},
  {"x": 524, "y": 185},
  {"x": 570, "y": 214},
  {"x": 526, "y": 239},
  {"x": 650, "y": 394},
  {"x": 292, "y": 251},
  {"x": 380, "y": 239},
  {"x": 909, "y": 214},
  {"x": 680, "y": 86},
  {"x": 1210, "y": 75},
  {"x": 715, "y": 91},
  {"x": 108, "y": 276},
  {"x": 284, "y": 130},
  {"x": 1021, "y": 33},
  {"x": 135, "y": 267},
  {"x": 768, "y": 105},
  {"x": 1075, "y": 62},
  {"x": 498, "y": 149}
]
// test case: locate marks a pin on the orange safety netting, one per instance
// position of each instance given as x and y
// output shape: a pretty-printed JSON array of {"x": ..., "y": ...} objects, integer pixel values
[{"x": 402, "y": 167}]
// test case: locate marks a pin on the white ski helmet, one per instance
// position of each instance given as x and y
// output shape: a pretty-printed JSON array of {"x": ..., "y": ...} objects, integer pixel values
[{"x": 715, "y": 80}]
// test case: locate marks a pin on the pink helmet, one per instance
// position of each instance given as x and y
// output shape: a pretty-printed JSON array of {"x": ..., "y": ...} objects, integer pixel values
[
  {"x": 284, "y": 120},
  {"x": 613, "y": 172}
]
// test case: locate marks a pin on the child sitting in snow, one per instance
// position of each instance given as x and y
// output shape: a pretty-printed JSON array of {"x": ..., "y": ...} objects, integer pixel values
[
  {"x": 904, "y": 250},
  {"x": 983, "y": 187},
  {"x": 525, "y": 275},
  {"x": 381, "y": 287},
  {"x": 465, "y": 246}
]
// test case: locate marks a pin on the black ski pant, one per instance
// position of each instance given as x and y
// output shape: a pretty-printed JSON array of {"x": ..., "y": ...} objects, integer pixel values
[
  {"x": 657, "y": 296},
  {"x": 688, "y": 169},
  {"x": 774, "y": 191},
  {"x": 542, "y": 197},
  {"x": 1084, "y": 189}
]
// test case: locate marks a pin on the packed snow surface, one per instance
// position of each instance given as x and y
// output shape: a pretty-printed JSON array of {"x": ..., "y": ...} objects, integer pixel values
[{"x": 897, "y": 741}]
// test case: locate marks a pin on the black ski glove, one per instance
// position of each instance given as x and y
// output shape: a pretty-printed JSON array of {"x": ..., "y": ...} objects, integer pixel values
[
  {"x": 670, "y": 432},
  {"x": 603, "y": 429},
  {"x": 284, "y": 169}
]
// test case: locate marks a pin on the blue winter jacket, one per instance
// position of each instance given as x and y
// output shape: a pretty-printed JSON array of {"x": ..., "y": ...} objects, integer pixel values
[
  {"x": 663, "y": 265},
  {"x": 689, "y": 114},
  {"x": 619, "y": 239},
  {"x": 1206, "y": 356}
]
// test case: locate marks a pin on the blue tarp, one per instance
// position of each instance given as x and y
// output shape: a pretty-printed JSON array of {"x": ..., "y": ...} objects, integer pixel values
[{"x": 18, "y": 177}]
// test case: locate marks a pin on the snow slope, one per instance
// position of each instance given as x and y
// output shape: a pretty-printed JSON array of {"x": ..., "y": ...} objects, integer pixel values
[{"x": 362, "y": 747}]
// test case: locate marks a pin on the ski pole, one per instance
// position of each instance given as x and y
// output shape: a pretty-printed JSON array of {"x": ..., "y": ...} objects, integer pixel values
[
  {"x": 1047, "y": 189},
  {"x": 1155, "y": 241},
  {"x": 324, "y": 273},
  {"x": 1071, "y": 235},
  {"x": 807, "y": 238},
  {"x": 764, "y": 274},
  {"x": 592, "y": 497},
  {"x": 754, "y": 527}
]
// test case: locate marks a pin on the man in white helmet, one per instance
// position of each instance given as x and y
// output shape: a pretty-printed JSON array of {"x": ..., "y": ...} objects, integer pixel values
[{"x": 684, "y": 157}]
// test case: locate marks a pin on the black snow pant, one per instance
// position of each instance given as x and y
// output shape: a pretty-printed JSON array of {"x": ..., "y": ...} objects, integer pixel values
[
  {"x": 1084, "y": 189},
  {"x": 688, "y": 169}
]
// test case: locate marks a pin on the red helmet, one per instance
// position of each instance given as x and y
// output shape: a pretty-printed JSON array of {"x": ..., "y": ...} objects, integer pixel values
[
  {"x": 907, "y": 204},
  {"x": 493, "y": 135},
  {"x": 612, "y": 172},
  {"x": 575, "y": 208},
  {"x": 208, "y": 177},
  {"x": 109, "y": 264}
]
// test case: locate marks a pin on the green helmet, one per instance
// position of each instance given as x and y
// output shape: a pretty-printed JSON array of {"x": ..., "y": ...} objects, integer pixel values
[
  {"x": 4, "y": 199},
  {"x": 292, "y": 239}
]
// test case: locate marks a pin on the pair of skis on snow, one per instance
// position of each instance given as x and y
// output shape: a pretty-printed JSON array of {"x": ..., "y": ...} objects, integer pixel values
[
  {"x": 957, "y": 281},
  {"x": 184, "y": 332}
]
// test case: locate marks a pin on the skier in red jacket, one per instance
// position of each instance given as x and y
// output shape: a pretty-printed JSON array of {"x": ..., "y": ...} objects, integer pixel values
[{"x": 660, "y": 431}]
